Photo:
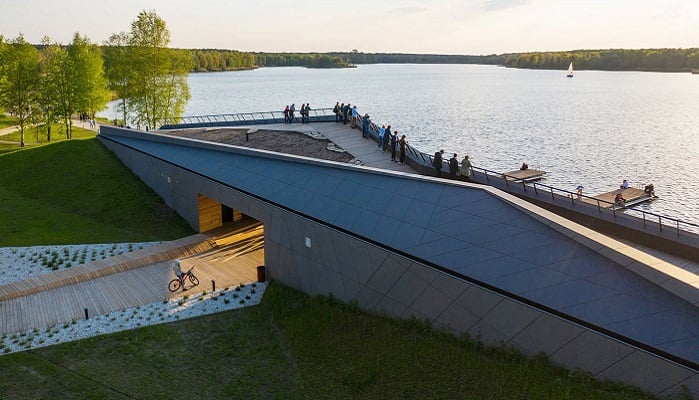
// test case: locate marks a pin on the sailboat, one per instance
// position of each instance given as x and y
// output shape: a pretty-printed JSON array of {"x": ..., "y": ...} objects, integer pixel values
[{"x": 570, "y": 70}]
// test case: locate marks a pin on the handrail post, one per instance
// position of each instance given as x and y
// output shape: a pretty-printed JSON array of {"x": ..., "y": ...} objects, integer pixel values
[
  {"x": 536, "y": 192},
  {"x": 553, "y": 198},
  {"x": 660, "y": 223},
  {"x": 678, "y": 228}
]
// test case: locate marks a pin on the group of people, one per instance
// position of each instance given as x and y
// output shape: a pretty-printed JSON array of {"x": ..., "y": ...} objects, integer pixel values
[
  {"x": 619, "y": 199},
  {"x": 389, "y": 139},
  {"x": 346, "y": 113},
  {"x": 463, "y": 169},
  {"x": 289, "y": 113}
]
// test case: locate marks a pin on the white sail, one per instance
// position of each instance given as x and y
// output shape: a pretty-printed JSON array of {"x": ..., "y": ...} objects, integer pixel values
[{"x": 570, "y": 70}]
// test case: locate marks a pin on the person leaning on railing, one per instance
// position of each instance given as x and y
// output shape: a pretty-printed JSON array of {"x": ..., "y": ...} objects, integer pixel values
[{"x": 466, "y": 168}]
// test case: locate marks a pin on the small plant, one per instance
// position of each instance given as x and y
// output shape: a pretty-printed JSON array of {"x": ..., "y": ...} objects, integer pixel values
[
  {"x": 242, "y": 301},
  {"x": 226, "y": 301}
]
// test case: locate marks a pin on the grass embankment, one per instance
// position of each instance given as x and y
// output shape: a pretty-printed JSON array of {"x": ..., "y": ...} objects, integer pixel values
[
  {"x": 35, "y": 136},
  {"x": 290, "y": 347},
  {"x": 74, "y": 192}
]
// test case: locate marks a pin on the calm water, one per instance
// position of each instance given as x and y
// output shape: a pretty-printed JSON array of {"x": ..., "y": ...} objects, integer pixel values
[{"x": 594, "y": 130}]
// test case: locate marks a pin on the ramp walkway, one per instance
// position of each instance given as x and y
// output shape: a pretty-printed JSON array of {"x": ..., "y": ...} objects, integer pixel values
[{"x": 227, "y": 256}]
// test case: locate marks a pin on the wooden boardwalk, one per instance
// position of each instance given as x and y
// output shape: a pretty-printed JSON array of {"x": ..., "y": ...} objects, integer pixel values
[{"x": 231, "y": 260}]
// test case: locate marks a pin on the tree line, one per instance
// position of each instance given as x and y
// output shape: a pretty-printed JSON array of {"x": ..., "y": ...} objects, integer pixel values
[
  {"x": 660, "y": 60},
  {"x": 51, "y": 83}
]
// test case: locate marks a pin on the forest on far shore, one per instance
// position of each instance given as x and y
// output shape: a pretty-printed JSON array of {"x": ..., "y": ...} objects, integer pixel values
[{"x": 660, "y": 60}]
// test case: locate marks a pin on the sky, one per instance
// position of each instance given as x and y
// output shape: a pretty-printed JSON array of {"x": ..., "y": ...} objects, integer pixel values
[{"x": 474, "y": 27}]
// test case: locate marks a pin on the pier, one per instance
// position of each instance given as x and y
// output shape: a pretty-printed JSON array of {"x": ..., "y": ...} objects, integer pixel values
[{"x": 632, "y": 196}]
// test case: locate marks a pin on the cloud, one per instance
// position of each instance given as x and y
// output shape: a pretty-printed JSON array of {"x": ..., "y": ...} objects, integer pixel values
[{"x": 495, "y": 5}]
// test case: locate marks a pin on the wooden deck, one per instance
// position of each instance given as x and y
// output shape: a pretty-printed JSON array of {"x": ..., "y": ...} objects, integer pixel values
[
  {"x": 232, "y": 260},
  {"x": 633, "y": 196},
  {"x": 527, "y": 175}
]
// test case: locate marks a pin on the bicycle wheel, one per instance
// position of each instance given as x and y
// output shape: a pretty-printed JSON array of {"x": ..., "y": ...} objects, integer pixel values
[
  {"x": 194, "y": 280},
  {"x": 174, "y": 285}
]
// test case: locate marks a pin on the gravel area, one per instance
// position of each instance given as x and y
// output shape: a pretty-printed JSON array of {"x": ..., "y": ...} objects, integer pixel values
[
  {"x": 308, "y": 144},
  {"x": 17, "y": 263}
]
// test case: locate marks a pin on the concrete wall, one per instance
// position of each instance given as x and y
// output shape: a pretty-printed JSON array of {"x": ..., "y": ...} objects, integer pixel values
[{"x": 319, "y": 259}]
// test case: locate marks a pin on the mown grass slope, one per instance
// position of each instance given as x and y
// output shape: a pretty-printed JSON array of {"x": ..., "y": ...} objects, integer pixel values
[
  {"x": 76, "y": 191},
  {"x": 292, "y": 346}
]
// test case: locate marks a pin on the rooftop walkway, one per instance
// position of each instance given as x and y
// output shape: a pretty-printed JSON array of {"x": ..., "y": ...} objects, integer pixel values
[{"x": 228, "y": 256}]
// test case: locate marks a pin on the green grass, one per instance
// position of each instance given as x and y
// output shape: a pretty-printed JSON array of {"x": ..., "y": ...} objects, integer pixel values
[
  {"x": 291, "y": 347},
  {"x": 76, "y": 191},
  {"x": 40, "y": 135}
]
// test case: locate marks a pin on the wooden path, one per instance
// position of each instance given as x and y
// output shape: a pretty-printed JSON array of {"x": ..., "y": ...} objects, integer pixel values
[{"x": 232, "y": 260}]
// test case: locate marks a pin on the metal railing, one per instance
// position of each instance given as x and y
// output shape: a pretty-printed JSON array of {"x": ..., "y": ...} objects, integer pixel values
[
  {"x": 259, "y": 117},
  {"x": 541, "y": 189}
]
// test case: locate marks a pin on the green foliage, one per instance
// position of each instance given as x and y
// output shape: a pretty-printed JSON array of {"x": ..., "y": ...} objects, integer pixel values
[
  {"x": 291, "y": 346},
  {"x": 158, "y": 86},
  {"x": 78, "y": 192}
]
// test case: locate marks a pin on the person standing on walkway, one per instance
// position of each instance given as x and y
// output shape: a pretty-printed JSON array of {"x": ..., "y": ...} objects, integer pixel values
[
  {"x": 394, "y": 143},
  {"x": 292, "y": 109},
  {"x": 382, "y": 132},
  {"x": 286, "y": 114},
  {"x": 337, "y": 110},
  {"x": 453, "y": 166},
  {"x": 386, "y": 138},
  {"x": 365, "y": 126},
  {"x": 345, "y": 111},
  {"x": 355, "y": 115},
  {"x": 437, "y": 163},
  {"x": 403, "y": 147},
  {"x": 466, "y": 168}
]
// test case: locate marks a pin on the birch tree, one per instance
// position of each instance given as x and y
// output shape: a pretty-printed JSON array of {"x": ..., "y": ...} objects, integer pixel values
[{"x": 19, "y": 71}]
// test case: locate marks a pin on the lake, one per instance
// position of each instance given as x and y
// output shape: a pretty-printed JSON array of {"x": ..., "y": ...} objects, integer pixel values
[{"x": 595, "y": 129}]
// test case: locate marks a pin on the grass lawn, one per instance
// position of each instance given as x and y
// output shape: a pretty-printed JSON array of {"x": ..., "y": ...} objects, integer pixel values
[
  {"x": 291, "y": 346},
  {"x": 40, "y": 135},
  {"x": 76, "y": 191}
]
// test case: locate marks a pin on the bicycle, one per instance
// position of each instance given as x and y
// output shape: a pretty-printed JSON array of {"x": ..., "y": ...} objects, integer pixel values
[{"x": 178, "y": 283}]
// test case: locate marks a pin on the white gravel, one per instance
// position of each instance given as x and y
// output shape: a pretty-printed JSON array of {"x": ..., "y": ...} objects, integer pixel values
[{"x": 17, "y": 263}]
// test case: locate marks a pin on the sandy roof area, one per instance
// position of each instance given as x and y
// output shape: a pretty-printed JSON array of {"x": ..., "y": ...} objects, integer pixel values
[{"x": 288, "y": 142}]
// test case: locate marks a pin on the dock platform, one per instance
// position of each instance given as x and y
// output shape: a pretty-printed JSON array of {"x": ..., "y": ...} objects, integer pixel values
[
  {"x": 633, "y": 197},
  {"x": 526, "y": 175}
]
